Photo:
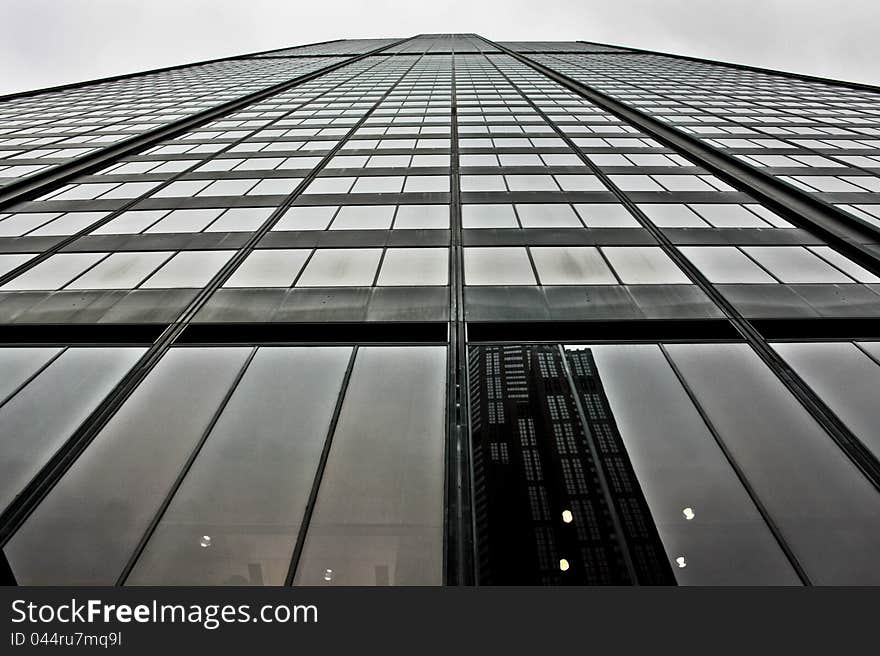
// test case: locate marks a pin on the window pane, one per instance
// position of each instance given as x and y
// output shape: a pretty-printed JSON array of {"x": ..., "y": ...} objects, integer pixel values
[
  {"x": 647, "y": 265},
  {"x": 130, "y": 223},
  {"x": 18, "y": 224},
  {"x": 363, "y": 217},
  {"x": 414, "y": 266},
  {"x": 833, "y": 528},
  {"x": 531, "y": 183},
  {"x": 483, "y": 183},
  {"x": 269, "y": 268},
  {"x": 842, "y": 262},
  {"x": 564, "y": 265},
  {"x": 189, "y": 269},
  {"x": 378, "y": 519},
  {"x": 488, "y": 216},
  {"x": 85, "y": 530},
  {"x": 670, "y": 215},
  {"x": 341, "y": 267},
  {"x": 68, "y": 224},
  {"x": 606, "y": 215},
  {"x": 240, "y": 219},
  {"x": 846, "y": 379},
  {"x": 422, "y": 216},
  {"x": 793, "y": 264},
  {"x": 8, "y": 261},
  {"x": 497, "y": 266},
  {"x": 120, "y": 270},
  {"x": 306, "y": 218},
  {"x": 227, "y": 188},
  {"x": 725, "y": 264},
  {"x": 247, "y": 490},
  {"x": 185, "y": 221},
  {"x": 378, "y": 185},
  {"x": 729, "y": 216},
  {"x": 680, "y": 466},
  {"x": 37, "y": 421},
  {"x": 539, "y": 215},
  {"x": 275, "y": 186},
  {"x": 19, "y": 364},
  {"x": 54, "y": 272}
]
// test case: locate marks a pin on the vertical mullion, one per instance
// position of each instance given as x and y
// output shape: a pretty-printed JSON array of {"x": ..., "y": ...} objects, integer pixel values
[
  {"x": 319, "y": 473},
  {"x": 169, "y": 497},
  {"x": 459, "y": 557},
  {"x": 740, "y": 474}
]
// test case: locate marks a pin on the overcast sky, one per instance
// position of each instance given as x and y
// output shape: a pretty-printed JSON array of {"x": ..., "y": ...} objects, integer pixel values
[{"x": 49, "y": 42}]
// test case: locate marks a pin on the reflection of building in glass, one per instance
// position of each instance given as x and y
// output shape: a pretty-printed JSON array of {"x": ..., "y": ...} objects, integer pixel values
[
  {"x": 545, "y": 515},
  {"x": 240, "y": 302}
]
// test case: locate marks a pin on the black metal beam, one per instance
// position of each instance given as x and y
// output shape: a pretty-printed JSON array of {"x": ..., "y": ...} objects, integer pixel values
[{"x": 459, "y": 553}]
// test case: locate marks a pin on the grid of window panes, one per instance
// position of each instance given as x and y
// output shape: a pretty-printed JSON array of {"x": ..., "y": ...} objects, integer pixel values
[
  {"x": 443, "y": 44},
  {"x": 235, "y": 517},
  {"x": 535, "y": 214},
  {"x": 43, "y": 130},
  {"x": 558, "y": 46},
  {"x": 173, "y": 216},
  {"x": 820, "y": 138},
  {"x": 340, "y": 47},
  {"x": 371, "y": 198}
]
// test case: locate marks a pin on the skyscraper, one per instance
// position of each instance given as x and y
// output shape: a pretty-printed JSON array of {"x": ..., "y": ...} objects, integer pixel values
[{"x": 441, "y": 310}]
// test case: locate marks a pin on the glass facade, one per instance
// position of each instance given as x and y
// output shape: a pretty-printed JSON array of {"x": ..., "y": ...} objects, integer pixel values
[{"x": 441, "y": 311}]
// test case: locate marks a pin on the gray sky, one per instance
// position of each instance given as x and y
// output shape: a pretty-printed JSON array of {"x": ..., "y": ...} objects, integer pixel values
[{"x": 49, "y": 42}]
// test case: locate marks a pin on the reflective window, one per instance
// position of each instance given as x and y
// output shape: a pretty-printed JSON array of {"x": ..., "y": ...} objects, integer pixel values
[
  {"x": 497, "y": 266},
  {"x": 9, "y": 261},
  {"x": 644, "y": 265},
  {"x": 672, "y": 216},
  {"x": 37, "y": 421},
  {"x": 703, "y": 513},
  {"x": 536, "y": 215},
  {"x": 363, "y": 217},
  {"x": 846, "y": 378},
  {"x": 378, "y": 519},
  {"x": 832, "y": 528},
  {"x": 488, "y": 216},
  {"x": 189, "y": 269},
  {"x": 54, "y": 272},
  {"x": 235, "y": 518},
  {"x": 725, "y": 264},
  {"x": 795, "y": 265},
  {"x": 306, "y": 218},
  {"x": 338, "y": 267},
  {"x": 120, "y": 270},
  {"x": 422, "y": 216},
  {"x": 606, "y": 215},
  {"x": 88, "y": 526},
  {"x": 414, "y": 266},
  {"x": 269, "y": 268},
  {"x": 570, "y": 265},
  {"x": 19, "y": 364},
  {"x": 184, "y": 221}
]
